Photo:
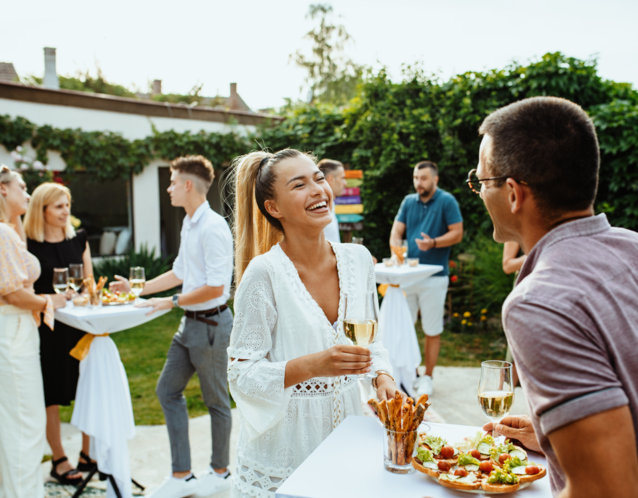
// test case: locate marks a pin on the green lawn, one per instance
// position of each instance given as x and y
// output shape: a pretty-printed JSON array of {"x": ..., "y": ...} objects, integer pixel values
[
  {"x": 468, "y": 349},
  {"x": 143, "y": 352}
]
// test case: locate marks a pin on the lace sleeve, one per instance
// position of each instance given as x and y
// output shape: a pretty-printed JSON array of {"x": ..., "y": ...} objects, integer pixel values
[
  {"x": 256, "y": 383},
  {"x": 380, "y": 356}
]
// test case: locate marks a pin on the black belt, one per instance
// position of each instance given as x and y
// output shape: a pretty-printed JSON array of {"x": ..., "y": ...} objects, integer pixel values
[{"x": 200, "y": 316}]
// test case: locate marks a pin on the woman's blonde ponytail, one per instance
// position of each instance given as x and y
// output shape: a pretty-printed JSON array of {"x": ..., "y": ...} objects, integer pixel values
[{"x": 254, "y": 235}]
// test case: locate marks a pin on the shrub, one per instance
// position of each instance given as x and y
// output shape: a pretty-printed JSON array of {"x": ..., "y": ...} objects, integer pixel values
[{"x": 153, "y": 265}]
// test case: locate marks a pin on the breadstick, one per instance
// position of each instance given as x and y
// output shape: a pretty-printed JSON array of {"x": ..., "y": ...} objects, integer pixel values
[
  {"x": 423, "y": 399},
  {"x": 383, "y": 413}
]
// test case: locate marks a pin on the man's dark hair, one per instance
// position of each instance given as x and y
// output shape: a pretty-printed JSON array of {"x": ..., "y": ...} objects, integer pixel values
[
  {"x": 428, "y": 164},
  {"x": 329, "y": 166},
  {"x": 551, "y": 144},
  {"x": 197, "y": 166}
]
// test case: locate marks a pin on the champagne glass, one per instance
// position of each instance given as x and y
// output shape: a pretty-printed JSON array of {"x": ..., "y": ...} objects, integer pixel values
[
  {"x": 76, "y": 276},
  {"x": 495, "y": 390},
  {"x": 360, "y": 321},
  {"x": 137, "y": 280},
  {"x": 60, "y": 280},
  {"x": 404, "y": 251}
]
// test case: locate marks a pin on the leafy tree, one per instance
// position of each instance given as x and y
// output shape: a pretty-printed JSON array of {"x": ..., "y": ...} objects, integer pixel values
[{"x": 332, "y": 77}]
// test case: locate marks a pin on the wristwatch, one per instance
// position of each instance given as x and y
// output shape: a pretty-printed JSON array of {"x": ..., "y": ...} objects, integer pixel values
[{"x": 176, "y": 300}]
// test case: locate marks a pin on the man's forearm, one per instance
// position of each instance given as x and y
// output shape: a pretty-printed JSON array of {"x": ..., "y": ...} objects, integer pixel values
[
  {"x": 162, "y": 283},
  {"x": 449, "y": 239},
  {"x": 201, "y": 295}
]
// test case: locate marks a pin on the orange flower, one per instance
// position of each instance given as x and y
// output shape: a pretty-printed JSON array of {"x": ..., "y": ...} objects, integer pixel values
[
  {"x": 452, "y": 264},
  {"x": 454, "y": 279}
]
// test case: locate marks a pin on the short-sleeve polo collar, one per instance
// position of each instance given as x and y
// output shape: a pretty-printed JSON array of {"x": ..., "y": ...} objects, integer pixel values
[{"x": 437, "y": 192}]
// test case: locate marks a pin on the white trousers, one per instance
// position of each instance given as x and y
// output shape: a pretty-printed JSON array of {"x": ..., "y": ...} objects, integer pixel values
[
  {"x": 22, "y": 411},
  {"x": 428, "y": 295}
]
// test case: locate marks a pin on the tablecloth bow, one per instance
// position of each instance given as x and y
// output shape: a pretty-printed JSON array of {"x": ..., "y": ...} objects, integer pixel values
[
  {"x": 384, "y": 287},
  {"x": 47, "y": 312},
  {"x": 83, "y": 346}
]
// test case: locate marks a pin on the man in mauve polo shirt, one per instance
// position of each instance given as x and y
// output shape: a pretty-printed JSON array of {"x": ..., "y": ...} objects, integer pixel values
[{"x": 572, "y": 319}]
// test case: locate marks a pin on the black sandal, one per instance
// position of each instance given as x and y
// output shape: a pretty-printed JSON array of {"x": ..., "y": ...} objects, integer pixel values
[
  {"x": 64, "y": 478},
  {"x": 87, "y": 465}
]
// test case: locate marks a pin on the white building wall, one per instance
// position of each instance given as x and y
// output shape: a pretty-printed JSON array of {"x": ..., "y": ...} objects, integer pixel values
[
  {"x": 146, "y": 203},
  {"x": 130, "y": 126},
  {"x": 146, "y": 207}
]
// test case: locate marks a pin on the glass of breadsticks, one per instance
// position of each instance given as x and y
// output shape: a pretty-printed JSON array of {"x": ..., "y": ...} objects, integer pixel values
[
  {"x": 401, "y": 420},
  {"x": 94, "y": 290}
]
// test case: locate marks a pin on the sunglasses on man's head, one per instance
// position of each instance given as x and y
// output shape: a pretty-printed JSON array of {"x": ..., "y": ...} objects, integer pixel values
[{"x": 474, "y": 182}]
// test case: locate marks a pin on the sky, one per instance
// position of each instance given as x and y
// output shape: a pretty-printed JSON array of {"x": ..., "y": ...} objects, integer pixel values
[{"x": 249, "y": 42}]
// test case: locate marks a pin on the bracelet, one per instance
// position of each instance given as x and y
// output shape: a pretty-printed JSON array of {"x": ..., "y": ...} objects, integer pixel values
[
  {"x": 379, "y": 374},
  {"x": 433, "y": 243}
]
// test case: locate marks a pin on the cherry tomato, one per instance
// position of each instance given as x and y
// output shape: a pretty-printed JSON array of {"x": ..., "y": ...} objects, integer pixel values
[
  {"x": 444, "y": 466},
  {"x": 460, "y": 472},
  {"x": 476, "y": 454},
  {"x": 531, "y": 470},
  {"x": 486, "y": 466},
  {"x": 447, "y": 452},
  {"x": 503, "y": 457}
]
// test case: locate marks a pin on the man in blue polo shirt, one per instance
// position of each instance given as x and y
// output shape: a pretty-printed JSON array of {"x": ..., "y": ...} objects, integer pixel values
[{"x": 431, "y": 222}]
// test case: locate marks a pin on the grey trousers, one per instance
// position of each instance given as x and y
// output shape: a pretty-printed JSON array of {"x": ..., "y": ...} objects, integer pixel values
[{"x": 198, "y": 347}]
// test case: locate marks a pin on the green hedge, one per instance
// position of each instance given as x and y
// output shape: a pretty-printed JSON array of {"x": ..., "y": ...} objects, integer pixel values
[
  {"x": 391, "y": 126},
  {"x": 385, "y": 130}
]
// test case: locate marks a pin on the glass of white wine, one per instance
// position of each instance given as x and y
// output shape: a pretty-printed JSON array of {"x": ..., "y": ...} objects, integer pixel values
[
  {"x": 60, "y": 280},
  {"x": 495, "y": 390},
  {"x": 137, "y": 280},
  {"x": 361, "y": 321},
  {"x": 76, "y": 276}
]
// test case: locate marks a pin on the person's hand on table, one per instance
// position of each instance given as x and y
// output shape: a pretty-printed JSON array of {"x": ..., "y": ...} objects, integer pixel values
[
  {"x": 386, "y": 388},
  {"x": 426, "y": 243},
  {"x": 122, "y": 285},
  {"x": 69, "y": 294},
  {"x": 157, "y": 303},
  {"x": 59, "y": 301},
  {"x": 517, "y": 428}
]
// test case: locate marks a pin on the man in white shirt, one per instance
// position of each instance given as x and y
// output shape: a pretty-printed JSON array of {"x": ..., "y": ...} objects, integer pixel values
[
  {"x": 204, "y": 268},
  {"x": 335, "y": 175}
]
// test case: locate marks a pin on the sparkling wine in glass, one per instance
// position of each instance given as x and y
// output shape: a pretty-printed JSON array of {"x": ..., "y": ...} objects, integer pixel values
[
  {"x": 137, "y": 280},
  {"x": 404, "y": 251},
  {"x": 495, "y": 390},
  {"x": 361, "y": 321},
  {"x": 60, "y": 280},
  {"x": 76, "y": 276}
]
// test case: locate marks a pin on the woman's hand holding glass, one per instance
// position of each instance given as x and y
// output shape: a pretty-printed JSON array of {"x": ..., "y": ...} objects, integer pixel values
[{"x": 340, "y": 360}]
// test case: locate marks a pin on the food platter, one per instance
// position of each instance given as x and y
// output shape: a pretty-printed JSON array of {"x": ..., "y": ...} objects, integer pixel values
[{"x": 482, "y": 492}]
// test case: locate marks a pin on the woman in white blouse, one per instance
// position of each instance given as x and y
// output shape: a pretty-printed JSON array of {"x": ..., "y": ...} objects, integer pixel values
[{"x": 291, "y": 372}]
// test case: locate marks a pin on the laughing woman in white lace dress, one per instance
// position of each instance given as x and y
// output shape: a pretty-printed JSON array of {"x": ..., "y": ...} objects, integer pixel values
[{"x": 291, "y": 372}]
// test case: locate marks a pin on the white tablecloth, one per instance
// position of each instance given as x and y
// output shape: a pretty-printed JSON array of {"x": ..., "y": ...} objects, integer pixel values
[
  {"x": 103, "y": 407},
  {"x": 395, "y": 320},
  {"x": 105, "y": 319},
  {"x": 349, "y": 463}
]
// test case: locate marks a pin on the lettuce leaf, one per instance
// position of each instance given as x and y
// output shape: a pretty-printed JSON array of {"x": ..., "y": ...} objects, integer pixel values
[
  {"x": 467, "y": 459},
  {"x": 436, "y": 443},
  {"x": 503, "y": 448},
  {"x": 424, "y": 455},
  {"x": 513, "y": 462},
  {"x": 501, "y": 476}
]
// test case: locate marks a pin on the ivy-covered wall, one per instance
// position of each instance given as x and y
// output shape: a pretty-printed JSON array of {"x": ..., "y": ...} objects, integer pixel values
[{"x": 385, "y": 130}]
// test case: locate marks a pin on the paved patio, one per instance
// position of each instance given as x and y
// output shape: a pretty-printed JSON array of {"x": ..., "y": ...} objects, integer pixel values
[{"x": 454, "y": 401}]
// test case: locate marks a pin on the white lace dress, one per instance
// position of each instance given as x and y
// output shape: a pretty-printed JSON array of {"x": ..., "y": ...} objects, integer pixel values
[{"x": 276, "y": 320}]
